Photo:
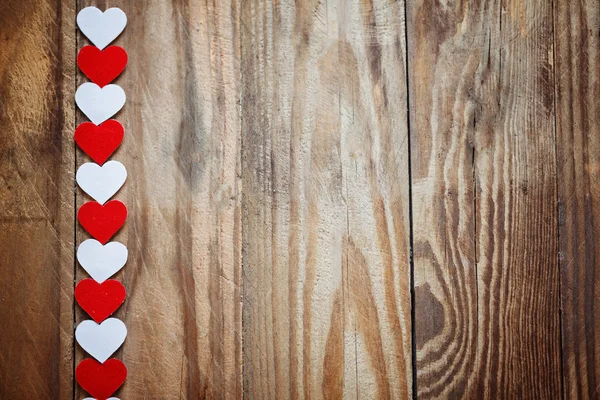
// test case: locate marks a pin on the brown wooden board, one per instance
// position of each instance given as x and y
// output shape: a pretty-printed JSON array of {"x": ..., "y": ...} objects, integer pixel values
[
  {"x": 578, "y": 142},
  {"x": 487, "y": 316},
  {"x": 325, "y": 200},
  {"x": 292, "y": 165},
  {"x": 37, "y": 46},
  {"x": 182, "y": 154}
]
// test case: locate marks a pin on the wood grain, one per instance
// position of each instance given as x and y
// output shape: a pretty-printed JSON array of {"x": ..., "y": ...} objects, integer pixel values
[
  {"x": 578, "y": 142},
  {"x": 37, "y": 46},
  {"x": 484, "y": 199},
  {"x": 325, "y": 200},
  {"x": 287, "y": 160},
  {"x": 182, "y": 153}
]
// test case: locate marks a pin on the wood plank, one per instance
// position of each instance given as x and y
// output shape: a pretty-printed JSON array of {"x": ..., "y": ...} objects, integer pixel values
[
  {"x": 578, "y": 142},
  {"x": 325, "y": 206},
  {"x": 37, "y": 75},
  {"x": 484, "y": 199},
  {"x": 182, "y": 153}
]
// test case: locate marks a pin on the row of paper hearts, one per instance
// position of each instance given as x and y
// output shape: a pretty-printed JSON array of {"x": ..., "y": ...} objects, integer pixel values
[
  {"x": 100, "y": 297},
  {"x": 100, "y": 340},
  {"x": 101, "y": 28}
]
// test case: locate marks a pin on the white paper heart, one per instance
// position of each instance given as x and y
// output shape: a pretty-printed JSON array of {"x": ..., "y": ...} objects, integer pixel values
[
  {"x": 101, "y": 340},
  {"x": 101, "y": 262},
  {"x": 99, "y": 104},
  {"x": 101, "y": 182},
  {"x": 91, "y": 398},
  {"x": 101, "y": 27}
]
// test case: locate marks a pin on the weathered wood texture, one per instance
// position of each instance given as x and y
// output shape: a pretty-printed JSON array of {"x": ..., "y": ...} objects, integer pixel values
[
  {"x": 577, "y": 27},
  {"x": 325, "y": 200},
  {"x": 487, "y": 315},
  {"x": 37, "y": 47},
  {"x": 284, "y": 159},
  {"x": 181, "y": 151}
]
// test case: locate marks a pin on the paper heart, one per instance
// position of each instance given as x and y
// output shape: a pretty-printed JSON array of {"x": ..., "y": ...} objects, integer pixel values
[
  {"x": 100, "y": 300},
  {"x": 101, "y": 262},
  {"x": 110, "y": 398},
  {"x": 101, "y": 340},
  {"x": 102, "y": 66},
  {"x": 99, "y": 104},
  {"x": 99, "y": 142},
  {"x": 101, "y": 28},
  {"x": 102, "y": 221},
  {"x": 101, "y": 380},
  {"x": 101, "y": 182}
]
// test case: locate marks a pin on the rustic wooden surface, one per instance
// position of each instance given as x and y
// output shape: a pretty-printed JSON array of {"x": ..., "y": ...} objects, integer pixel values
[
  {"x": 577, "y": 49},
  {"x": 328, "y": 199},
  {"x": 325, "y": 200},
  {"x": 37, "y": 84},
  {"x": 484, "y": 200},
  {"x": 183, "y": 233}
]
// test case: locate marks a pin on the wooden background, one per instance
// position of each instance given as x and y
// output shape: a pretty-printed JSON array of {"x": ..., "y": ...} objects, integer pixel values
[{"x": 358, "y": 199}]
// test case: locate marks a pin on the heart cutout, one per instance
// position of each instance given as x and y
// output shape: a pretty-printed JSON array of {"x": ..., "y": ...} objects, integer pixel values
[
  {"x": 99, "y": 141},
  {"x": 101, "y": 380},
  {"x": 101, "y": 262},
  {"x": 101, "y": 340},
  {"x": 110, "y": 398},
  {"x": 99, "y": 104},
  {"x": 102, "y": 66},
  {"x": 100, "y": 300},
  {"x": 101, "y": 182},
  {"x": 101, "y": 28},
  {"x": 102, "y": 221}
]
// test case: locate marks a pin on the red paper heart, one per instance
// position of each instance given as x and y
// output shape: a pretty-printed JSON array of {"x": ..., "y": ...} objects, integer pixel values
[
  {"x": 102, "y": 66},
  {"x": 100, "y": 300},
  {"x": 101, "y": 380},
  {"x": 102, "y": 221},
  {"x": 99, "y": 141}
]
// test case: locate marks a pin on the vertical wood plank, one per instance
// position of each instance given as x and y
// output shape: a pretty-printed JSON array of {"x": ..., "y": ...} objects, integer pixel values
[
  {"x": 182, "y": 154},
  {"x": 37, "y": 52},
  {"x": 325, "y": 200},
  {"x": 484, "y": 199},
  {"x": 578, "y": 135}
]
